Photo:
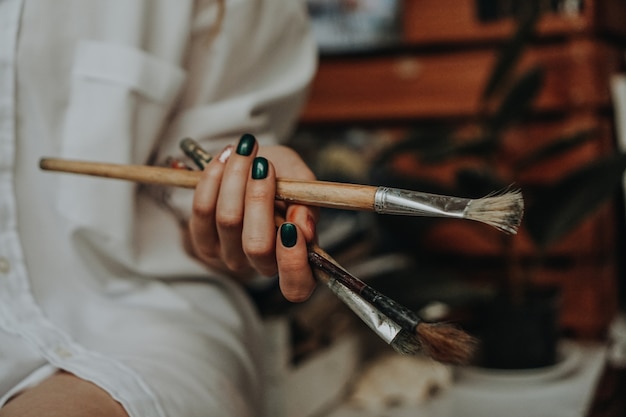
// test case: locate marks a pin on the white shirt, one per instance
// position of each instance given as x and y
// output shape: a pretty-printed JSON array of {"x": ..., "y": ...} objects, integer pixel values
[{"x": 93, "y": 278}]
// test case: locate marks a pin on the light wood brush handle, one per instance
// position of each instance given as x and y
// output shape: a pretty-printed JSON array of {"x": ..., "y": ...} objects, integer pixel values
[
  {"x": 327, "y": 194},
  {"x": 315, "y": 193},
  {"x": 136, "y": 173},
  {"x": 502, "y": 210}
]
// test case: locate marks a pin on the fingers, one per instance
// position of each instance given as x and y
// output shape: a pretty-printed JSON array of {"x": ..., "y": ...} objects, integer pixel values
[
  {"x": 305, "y": 217},
  {"x": 233, "y": 211},
  {"x": 231, "y": 203},
  {"x": 233, "y": 218},
  {"x": 259, "y": 228},
  {"x": 202, "y": 227},
  {"x": 295, "y": 276}
]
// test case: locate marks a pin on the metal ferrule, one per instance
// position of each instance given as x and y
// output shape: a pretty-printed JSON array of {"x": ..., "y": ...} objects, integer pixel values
[
  {"x": 378, "y": 322},
  {"x": 414, "y": 203},
  {"x": 193, "y": 150}
]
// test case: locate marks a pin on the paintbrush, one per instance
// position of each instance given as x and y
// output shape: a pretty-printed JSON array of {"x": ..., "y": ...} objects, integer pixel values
[
  {"x": 400, "y": 327},
  {"x": 402, "y": 341},
  {"x": 502, "y": 210}
]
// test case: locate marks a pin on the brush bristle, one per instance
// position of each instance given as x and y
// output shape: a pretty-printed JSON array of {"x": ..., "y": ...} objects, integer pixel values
[
  {"x": 445, "y": 343},
  {"x": 406, "y": 343},
  {"x": 504, "y": 211}
]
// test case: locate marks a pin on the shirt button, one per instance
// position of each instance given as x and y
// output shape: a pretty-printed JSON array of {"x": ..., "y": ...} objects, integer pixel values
[
  {"x": 62, "y": 352},
  {"x": 5, "y": 266}
]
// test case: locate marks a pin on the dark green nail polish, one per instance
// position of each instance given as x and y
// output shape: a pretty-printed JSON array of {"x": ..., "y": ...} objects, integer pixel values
[
  {"x": 246, "y": 145},
  {"x": 288, "y": 235},
  {"x": 259, "y": 168}
]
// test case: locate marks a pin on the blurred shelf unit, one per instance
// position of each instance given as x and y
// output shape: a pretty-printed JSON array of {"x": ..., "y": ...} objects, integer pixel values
[
  {"x": 439, "y": 66},
  {"x": 409, "y": 86},
  {"x": 466, "y": 21},
  {"x": 436, "y": 71}
]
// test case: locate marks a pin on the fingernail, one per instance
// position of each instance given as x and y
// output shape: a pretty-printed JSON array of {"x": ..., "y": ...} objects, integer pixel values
[
  {"x": 288, "y": 235},
  {"x": 259, "y": 168},
  {"x": 225, "y": 154},
  {"x": 246, "y": 145}
]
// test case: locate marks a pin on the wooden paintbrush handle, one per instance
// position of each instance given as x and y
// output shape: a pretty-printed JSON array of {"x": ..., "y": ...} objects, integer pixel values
[
  {"x": 327, "y": 194},
  {"x": 137, "y": 173},
  {"x": 315, "y": 193}
]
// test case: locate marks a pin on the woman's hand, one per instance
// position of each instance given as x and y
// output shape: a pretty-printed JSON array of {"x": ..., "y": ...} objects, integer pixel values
[{"x": 235, "y": 216}]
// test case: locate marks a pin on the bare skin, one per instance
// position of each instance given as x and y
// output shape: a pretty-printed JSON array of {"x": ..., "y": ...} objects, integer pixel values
[{"x": 63, "y": 395}]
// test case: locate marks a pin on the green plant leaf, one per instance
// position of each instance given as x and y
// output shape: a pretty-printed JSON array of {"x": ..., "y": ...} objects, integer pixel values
[
  {"x": 417, "y": 142},
  {"x": 480, "y": 147},
  {"x": 559, "y": 208},
  {"x": 556, "y": 148},
  {"x": 518, "y": 100},
  {"x": 474, "y": 183},
  {"x": 511, "y": 51},
  {"x": 436, "y": 147}
]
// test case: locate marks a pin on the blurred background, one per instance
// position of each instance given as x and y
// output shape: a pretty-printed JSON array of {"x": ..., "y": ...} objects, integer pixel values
[{"x": 465, "y": 98}]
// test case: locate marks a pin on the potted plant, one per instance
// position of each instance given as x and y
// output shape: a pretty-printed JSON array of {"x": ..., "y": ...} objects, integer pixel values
[{"x": 552, "y": 210}]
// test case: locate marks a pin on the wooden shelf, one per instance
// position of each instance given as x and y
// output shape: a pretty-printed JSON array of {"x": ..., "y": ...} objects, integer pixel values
[
  {"x": 437, "y": 85},
  {"x": 452, "y": 21}
]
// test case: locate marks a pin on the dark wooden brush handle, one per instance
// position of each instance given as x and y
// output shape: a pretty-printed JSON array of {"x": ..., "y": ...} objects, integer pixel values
[{"x": 400, "y": 314}]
